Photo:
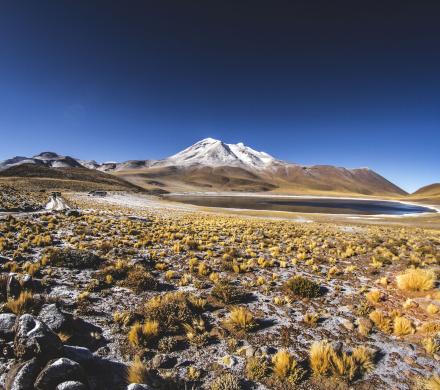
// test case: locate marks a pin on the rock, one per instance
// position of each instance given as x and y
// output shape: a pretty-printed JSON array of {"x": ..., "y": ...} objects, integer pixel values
[
  {"x": 71, "y": 385},
  {"x": 52, "y": 317},
  {"x": 22, "y": 375},
  {"x": 347, "y": 324},
  {"x": 138, "y": 386},
  {"x": 58, "y": 371},
  {"x": 13, "y": 287},
  {"x": 80, "y": 355},
  {"x": 228, "y": 361},
  {"x": 72, "y": 213},
  {"x": 266, "y": 351},
  {"x": 7, "y": 322},
  {"x": 35, "y": 338},
  {"x": 27, "y": 282},
  {"x": 163, "y": 361},
  {"x": 337, "y": 346}
]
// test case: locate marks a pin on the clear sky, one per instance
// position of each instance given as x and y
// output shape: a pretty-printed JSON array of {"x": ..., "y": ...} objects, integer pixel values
[{"x": 348, "y": 83}]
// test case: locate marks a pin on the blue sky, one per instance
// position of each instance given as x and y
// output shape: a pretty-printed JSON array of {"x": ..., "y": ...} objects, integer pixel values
[{"x": 313, "y": 82}]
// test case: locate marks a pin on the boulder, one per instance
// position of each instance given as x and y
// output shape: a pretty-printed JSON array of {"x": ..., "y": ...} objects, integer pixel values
[
  {"x": 71, "y": 385},
  {"x": 81, "y": 355},
  {"x": 7, "y": 322},
  {"x": 58, "y": 371},
  {"x": 22, "y": 375},
  {"x": 13, "y": 287},
  {"x": 35, "y": 338},
  {"x": 52, "y": 317},
  {"x": 138, "y": 386}
]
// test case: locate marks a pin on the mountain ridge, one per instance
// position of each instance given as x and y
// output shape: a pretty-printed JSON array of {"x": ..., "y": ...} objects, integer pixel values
[{"x": 215, "y": 165}]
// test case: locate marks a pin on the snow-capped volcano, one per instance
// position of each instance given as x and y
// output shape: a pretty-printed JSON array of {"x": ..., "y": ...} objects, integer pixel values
[{"x": 213, "y": 153}]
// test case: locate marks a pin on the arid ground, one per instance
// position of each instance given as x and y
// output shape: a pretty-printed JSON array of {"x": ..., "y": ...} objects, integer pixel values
[{"x": 129, "y": 288}]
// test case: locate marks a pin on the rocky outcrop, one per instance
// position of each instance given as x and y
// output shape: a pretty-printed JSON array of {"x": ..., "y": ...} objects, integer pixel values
[
  {"x": 35, "y": 338},
  {"x": 39, "y": 360}
]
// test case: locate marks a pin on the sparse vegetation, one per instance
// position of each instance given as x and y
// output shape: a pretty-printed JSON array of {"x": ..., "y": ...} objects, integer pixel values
[{"x": 186, "y": 286}]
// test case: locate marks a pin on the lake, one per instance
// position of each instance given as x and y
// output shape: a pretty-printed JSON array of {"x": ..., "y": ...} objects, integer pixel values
[{"x": 302, "y": 205}]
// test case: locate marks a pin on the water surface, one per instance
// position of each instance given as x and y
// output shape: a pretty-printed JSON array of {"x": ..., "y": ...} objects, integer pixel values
[{"x": 303, "y": 205}]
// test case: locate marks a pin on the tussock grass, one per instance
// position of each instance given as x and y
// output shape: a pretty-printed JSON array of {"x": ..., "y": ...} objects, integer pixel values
[
  {"x": 416, "y": 279},
  {"x": 137, "y": 372}
]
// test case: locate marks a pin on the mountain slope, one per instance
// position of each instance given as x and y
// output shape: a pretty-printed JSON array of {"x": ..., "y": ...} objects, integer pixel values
[
  {"x": 43, "y": 177},
  {"x": 429, "y": 193}
]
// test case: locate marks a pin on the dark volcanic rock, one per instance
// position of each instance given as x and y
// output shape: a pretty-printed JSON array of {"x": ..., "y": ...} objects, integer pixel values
[
  {"x": 71, "y": 385},
  {"x": 35, "y": 338},
  {"x": 13, "y": 287},
  {"x": 52, "y": 317},
  {"x": 81, "y": 355},
  {"x": 22, "y": 375},
  {"x": 58, "y": 371},
  {"x": 138, "y": 386},
  {"x": 7, "y": 322}
]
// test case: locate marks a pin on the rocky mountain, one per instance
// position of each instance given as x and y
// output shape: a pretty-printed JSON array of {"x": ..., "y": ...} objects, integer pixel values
[{"x": 213, "y": 165}]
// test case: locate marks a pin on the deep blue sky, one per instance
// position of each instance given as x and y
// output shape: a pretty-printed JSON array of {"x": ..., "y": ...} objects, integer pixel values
[{"x": 349, "y": 83}]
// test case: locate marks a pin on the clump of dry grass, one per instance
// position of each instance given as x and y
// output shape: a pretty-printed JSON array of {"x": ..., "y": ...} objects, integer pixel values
[
  {"x": 381, "y": 321},
  {"x": 432, "y": 309},
  {"x": 432, "y": 383},
  {"x": 241, "y": 319},
  {"x": 196, "y": 332},
  {"x": 374, "y": 296},
  {"x": 431, "y": 345},
  {"x": 285, "y": 367},
  {"x": 311, "y": 319},
  {"x": 171, "y": 311},
  {"x": 137, "y": 372},
  {"x": 416, "y": 279},
  {"x": 139, "y": 280},
  {"x": 227, "y": 293},
  {"x": 25, "y": 303},
  {"x": 257, "y": 368},
  {"x": 326, "y": 361},
  {"x": 143, "y": 335},
  {"x": 225, "y": 382},
  {"x": 402, "y": 326}
]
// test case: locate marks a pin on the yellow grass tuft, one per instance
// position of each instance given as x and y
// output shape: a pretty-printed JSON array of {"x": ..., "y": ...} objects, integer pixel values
[
  {"x": 433, "y": 383},
  {"x": 241, "y": 318},
  {"x": 23, "y": 304},
  {"x": 374, "y": 296},
  {"x": 381, "y": 322},
  {"x": 402, "y": 326},
  {"x": 432, "y": 309},
  {"x": 320, "y": 357},
  {"x": 416, "y": 279},
  {"x": 431, "y": 345},
  {"x": 137, "y": 372}
]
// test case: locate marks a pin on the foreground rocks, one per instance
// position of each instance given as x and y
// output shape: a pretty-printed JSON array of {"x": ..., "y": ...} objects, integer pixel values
[{"x": 40, "y": 360}]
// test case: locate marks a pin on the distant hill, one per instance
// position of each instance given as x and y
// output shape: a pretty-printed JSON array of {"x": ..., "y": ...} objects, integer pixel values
[
  {"x": 429, "y": 193},
  {"x": 42, "y": 177},
  {"x": 208, "y": 165}
]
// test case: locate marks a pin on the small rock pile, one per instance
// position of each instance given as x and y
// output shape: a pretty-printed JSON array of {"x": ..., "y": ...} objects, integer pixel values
[{"x": 34, "y": 357}]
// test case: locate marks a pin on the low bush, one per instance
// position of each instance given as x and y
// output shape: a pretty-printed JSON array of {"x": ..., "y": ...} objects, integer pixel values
[{"x": 302, "y": 287}]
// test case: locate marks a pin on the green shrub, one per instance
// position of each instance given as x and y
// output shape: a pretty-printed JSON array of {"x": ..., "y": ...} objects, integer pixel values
[{"x": 303, "y": 287}]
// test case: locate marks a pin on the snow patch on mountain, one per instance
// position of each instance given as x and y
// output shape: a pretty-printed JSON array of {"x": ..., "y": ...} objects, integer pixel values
[{"x": 212, "y": 152}]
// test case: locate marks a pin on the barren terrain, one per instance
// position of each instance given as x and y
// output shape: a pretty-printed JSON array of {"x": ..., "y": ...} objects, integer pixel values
[{"x": 176, "y": 296}]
